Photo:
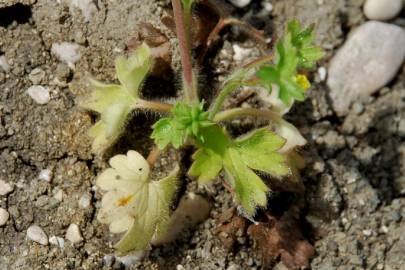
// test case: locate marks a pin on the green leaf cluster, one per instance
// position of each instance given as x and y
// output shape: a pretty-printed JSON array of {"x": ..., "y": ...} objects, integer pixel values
[
  {"x": 293, "y": 51},
  {"x": 240, "y": 158},
  {"x": 185, "y": 121},
  {"x": 114, "y": 101}
]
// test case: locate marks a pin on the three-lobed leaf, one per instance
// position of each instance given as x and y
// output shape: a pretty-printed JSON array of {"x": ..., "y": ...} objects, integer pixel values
[
  {"x": 239, "y": 159},
  {"x": 114, "y": 101}
]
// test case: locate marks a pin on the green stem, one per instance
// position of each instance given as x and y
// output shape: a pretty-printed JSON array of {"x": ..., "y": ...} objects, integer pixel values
[
  {"x": 219, "y": 100},
  {"x": 190, "y": 89},
  {"x": 238, "y": 112}
]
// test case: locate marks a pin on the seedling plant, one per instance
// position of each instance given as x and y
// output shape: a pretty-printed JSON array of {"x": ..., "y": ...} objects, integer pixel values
[{"x": 138, "y": 206}]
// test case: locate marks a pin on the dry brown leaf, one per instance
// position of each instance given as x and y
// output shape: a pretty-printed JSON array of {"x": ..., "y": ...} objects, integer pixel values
[
  {"x": 159, "y": 45},
  {"x": 231, "y": 227},
  {"x": 281, "y": 237}
]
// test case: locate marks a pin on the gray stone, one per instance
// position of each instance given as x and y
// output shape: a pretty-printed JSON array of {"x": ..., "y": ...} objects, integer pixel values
[
  {"x": 36, "y": 234},
  {"x": 36, "y": 75},
  {"x": 57, "y": 241},
  {"x": 382, "y": 10},
  {"x": 368, "y": 60}
]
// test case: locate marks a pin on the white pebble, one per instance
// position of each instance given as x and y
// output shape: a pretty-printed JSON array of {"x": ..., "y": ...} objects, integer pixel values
[
  {"x": 36, "y": 234},
  {"x": 4, "y": 215},
  {"x": 267, "y": 6},
  {"x": 5, "y": 188},
  {"x": 322, "y": 72},
  {"x": 39, "y": 94},
  {"x": 131, "y": 258},
  {"x": 384, "y": 229},
  {"x": 67, "y": 52},
  {"x": 240, "y": 3},
  {"x": 4, "y": 65},
  {"x": 57, "y": 241},
  {"x": 73, "y": 234},
  {"x": 84, "y": 201},
  {"x": 368, "y": 60},
  {"x": 240, "y": 53},
  {"x": 87, "y": 7},
  {"x": 382, "y": 9},
  {"x": 45, "y": 175},
  {"x": 367, "y": 232}
]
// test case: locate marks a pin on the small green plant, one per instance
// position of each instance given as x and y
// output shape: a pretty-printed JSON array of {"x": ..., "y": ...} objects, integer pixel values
[{"x": 140, "y": 206}]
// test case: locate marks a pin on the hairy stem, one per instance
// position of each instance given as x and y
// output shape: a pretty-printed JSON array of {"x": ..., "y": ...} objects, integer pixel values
[
  {"x": 152, "y": 105},
  {"x": 219, "y": 100},
  {"x": 190, "y": 90},
  {"x": 238, "y": 112}
]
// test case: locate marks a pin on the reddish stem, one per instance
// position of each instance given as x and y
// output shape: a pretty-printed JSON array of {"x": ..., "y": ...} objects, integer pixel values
[{"x": 190, "y": 91}]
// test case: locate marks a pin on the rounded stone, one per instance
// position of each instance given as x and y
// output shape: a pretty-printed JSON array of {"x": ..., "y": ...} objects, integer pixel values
[
  {"x": 4, "y": 216},
  {"x": 36, "y": 234},
  {"x": 382, "y": 9},
  {"x": 369, "y": 59}
]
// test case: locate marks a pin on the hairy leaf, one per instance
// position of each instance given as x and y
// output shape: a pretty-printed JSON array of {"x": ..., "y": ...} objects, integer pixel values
[
  {"x": 302, "y": 39},
  {"x": 133, "y": 203},
  {"x": 256, "y": 151},
  {"x": 206, "y": 166},
  {"x": 166, "y": 131},
  {"x": 114, "y": 101}
]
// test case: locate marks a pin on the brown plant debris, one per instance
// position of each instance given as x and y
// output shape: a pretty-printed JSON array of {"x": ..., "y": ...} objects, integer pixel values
[
  {"x": 281, "y": 237},
  {"x": 231, "y": 227}
]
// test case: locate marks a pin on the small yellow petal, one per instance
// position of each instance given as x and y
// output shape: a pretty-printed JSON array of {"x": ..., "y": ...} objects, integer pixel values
[{"x": 302, "y": 81}]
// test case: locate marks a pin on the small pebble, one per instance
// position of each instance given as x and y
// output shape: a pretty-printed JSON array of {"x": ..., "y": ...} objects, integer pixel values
[
  {"x": 73, "y": 234},
  {"x": 57, "y": 241},
  {"x": 84, "y": 201},
  {"x": 240, "y": 3},
  {"x": 36, "y": 75},
  {"x": 45, "y": 175},
  {"x": 4, "y": 215},
  {"x": 4, "y": 65},
  {"x": 367, "y": 232},
  {"x": 36, "y": 234},
  {"x": 39, "y": 94},
  {"x": 59, "y": 195},
  {"x": 108, "y": 260},
  {"x": 131, "y": 258},
  {"x": 240, "y": 53},
  {"x": 382, "y": 9},
  {"x": 67, "y": 52},
  {"x": 267, "y": 6},
  {"x": 322, "y": 72},
  {"x": 5, "y": 188}
]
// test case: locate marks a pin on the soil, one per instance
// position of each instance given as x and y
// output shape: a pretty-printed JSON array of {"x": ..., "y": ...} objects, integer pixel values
[{"x": 354, "y": 178}]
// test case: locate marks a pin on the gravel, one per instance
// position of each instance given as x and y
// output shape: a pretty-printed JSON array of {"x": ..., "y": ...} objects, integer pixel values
[
  {"x": 67, "y": 52},
  {"x": 378, "y": 52}
]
